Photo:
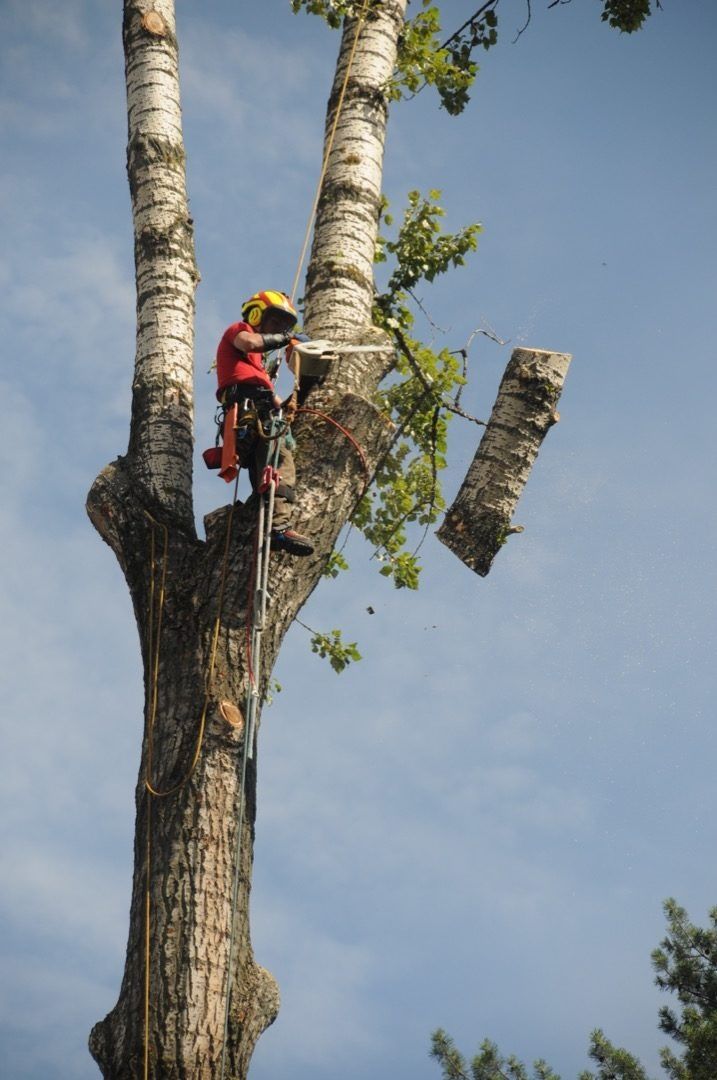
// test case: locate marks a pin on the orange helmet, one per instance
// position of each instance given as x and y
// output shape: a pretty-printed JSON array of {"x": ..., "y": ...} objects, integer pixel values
[{"x": 260, "y": 304}]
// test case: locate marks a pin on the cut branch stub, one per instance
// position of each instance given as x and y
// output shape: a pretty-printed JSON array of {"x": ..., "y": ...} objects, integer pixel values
[
  {"x": 153, "y": 22},
  {"x": 479, "y": 521}
]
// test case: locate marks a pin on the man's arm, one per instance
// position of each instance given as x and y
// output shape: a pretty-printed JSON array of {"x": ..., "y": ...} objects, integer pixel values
[{"x": 247, "y": 341}]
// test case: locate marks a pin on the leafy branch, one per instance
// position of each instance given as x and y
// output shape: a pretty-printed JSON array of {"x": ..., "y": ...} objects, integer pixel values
[
  {"x": 334, "y": 11},
  {"x": 627, "y": 16},
  {"x": 423, "y": 61},
  {"x": 420, "y": 393},
  {"x": 331, "y": 646}
]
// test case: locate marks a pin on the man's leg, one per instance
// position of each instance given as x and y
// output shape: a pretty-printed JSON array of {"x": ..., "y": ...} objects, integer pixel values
[
  {"x": 284, "y": 496},
  {"x": 283, "y": 537}
]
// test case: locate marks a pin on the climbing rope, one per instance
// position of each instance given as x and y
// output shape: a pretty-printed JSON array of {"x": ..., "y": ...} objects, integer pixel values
[
  {"x": 256, "y": 603},
  {"x": 329, "y": 147}
]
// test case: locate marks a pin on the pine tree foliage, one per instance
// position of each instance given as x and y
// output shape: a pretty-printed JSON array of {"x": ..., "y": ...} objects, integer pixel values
[{"x": 686, "y": 965}]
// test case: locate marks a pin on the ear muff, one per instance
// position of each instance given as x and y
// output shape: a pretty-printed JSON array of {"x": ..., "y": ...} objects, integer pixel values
[{"x": 254, "y": 315}]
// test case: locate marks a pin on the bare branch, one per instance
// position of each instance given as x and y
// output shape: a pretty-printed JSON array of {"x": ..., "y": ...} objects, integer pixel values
[
  {"x": 419, "y": 304},
  {"x": 426, "y": 383},
  {"x": 527, "y": 24},
  {"x": 464, "y": 354}
]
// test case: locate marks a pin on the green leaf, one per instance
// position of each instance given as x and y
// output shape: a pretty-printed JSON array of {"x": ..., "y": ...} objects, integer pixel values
[
  {"x": 331, "y": 647},
  {"x": 335, "y": 564},
  {"x": 423, "y": 61}
]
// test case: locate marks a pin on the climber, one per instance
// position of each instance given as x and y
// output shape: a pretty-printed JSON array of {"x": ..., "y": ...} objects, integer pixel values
[{"x": 268, "y": 321}]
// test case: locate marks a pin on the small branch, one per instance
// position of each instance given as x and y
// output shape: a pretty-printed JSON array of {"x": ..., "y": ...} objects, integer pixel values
[
  {"x": 491, "y": 4},
  {"x": 464, "y": 354},
  {"x": 487, "y": 333},
  {"x": 525, "y": 27},
  {"x": 426, "y": 384},
  {"x": 476, "y": 15},
  {"x": 428, "y": 317}
]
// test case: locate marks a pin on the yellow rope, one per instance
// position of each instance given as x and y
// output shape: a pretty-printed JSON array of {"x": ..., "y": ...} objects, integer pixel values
[
  {"x": 147, "y": 925},
  {"x": 329, "y": 147}
]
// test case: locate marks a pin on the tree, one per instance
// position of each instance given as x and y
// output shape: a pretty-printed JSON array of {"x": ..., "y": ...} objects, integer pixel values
[
  {"x": 169, "y": 1019},
  {"x": 193, "y": 995},
  {"x": 686, "y": 965}
]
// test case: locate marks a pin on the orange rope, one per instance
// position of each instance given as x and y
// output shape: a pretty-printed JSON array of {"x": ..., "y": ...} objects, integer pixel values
[{"x": 344, "y": 431}]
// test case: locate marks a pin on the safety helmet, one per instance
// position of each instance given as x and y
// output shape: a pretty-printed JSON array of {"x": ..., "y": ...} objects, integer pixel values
[{"x": 260, "y": 304}]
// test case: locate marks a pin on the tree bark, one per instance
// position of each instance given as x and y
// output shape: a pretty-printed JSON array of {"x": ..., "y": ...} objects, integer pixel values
[
  {"x": 161, "y": 438},
  {"x": 478, "y": 522},
  {"x": 339, "y": 279},
  {"x": 168, "y": 1022}
]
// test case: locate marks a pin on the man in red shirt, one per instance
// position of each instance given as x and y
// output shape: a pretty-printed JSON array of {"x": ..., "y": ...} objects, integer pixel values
[{"x": 268, "y": 322}]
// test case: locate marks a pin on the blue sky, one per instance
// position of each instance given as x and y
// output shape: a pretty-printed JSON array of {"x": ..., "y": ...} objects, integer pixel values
[{"x": 476, "y": 825}]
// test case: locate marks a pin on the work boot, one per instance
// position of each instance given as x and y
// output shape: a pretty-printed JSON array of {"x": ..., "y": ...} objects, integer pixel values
[{"x": 290, "y": 541}]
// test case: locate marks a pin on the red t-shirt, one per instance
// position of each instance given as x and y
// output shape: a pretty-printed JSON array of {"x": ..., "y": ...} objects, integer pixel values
[{"x": 238, "y": 367}]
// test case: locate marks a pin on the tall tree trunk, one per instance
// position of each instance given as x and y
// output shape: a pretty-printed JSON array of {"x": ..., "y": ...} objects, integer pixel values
[
  {"x": 339, "y": 280},
  {"x": 169, "y": 1019}
]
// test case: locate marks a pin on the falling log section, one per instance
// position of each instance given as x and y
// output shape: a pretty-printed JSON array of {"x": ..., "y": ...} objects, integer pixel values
[{"x": 480, "y": 519}]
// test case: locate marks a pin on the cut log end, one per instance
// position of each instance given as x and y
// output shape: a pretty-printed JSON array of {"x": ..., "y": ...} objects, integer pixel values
[
  {"x": 154, "y": 24},
  {"x": 232, "y": 714},
  {"x": 476, "y": 542}
]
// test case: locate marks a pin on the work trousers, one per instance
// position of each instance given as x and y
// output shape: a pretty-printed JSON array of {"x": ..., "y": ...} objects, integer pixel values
[
  {"x": 261, "y": 455},
  {"x": 261, "y": 452}
]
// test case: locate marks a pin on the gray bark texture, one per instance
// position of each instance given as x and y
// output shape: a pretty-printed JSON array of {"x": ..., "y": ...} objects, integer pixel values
[
  {"x": 479, "y": 520},
  {"x": 168, "y": 1022}
]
